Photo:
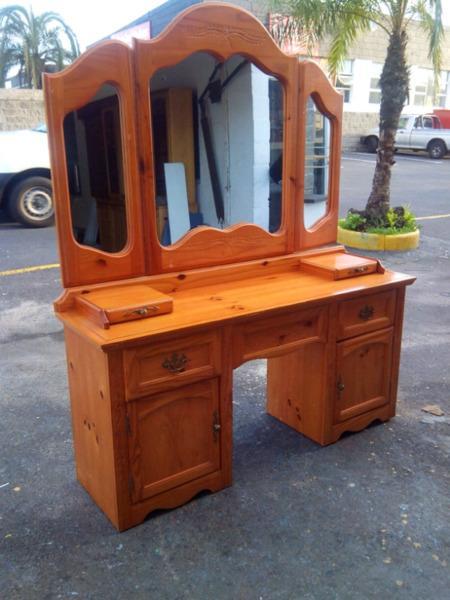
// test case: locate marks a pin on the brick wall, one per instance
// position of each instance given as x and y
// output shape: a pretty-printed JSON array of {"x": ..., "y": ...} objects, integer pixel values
[{"x": 21, "y": 109}]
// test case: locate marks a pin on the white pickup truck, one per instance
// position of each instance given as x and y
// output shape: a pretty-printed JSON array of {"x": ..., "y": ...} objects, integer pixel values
[
  {"x": 417, "y": 133},
  {"x": 25, "y": 186}
]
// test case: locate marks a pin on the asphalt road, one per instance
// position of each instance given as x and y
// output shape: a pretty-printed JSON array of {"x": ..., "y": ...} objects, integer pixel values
[
  {"x": 417, "y": 181},
  {"x": 366, "y": 518}
]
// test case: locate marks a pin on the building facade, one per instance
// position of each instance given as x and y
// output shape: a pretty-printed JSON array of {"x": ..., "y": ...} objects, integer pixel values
[
  {"x": 360, "y": 75},
  {"x": 358, "y": 80}
]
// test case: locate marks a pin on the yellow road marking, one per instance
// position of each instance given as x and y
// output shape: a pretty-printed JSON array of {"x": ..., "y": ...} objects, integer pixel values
[
  {"x": 432, "y": 217},
  {"x": 28, "y": 269}
]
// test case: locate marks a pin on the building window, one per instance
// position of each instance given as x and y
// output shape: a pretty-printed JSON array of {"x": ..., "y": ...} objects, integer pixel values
[
  {"x": 424, "y": 88},
  {"x": 374, "y": 87},
  {"x": 420, "y": 93},
  {"x": 441, "y": 99},
  {"x": 344, "y": 80}
]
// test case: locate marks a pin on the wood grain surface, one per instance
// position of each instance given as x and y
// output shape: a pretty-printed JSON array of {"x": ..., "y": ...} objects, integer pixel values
[{"x": 152, "y": 398}]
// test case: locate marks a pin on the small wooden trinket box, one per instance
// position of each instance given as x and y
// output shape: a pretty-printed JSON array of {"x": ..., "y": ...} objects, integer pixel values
[
  {"x": 123, "y": 303},
  {"x": 340, "y": 265}
]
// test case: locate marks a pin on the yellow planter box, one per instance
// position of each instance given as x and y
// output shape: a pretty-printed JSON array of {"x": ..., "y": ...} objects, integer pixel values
[{"x": 378, "y": 241}]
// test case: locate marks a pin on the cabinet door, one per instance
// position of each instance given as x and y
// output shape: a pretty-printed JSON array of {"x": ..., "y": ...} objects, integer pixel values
[
  {"x": 363, "y": 374},
  {"x": 174, "y": 438}
]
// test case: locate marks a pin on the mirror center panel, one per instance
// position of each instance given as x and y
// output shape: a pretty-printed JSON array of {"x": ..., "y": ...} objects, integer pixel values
[{"x": 217, "y": 132}]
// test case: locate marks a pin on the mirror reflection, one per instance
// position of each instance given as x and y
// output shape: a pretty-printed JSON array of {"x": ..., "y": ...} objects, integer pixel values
[
  {"x": 317, "y": 164},
  {"x": 217, "y": 145},
  {"x": 93, "y": 146}
]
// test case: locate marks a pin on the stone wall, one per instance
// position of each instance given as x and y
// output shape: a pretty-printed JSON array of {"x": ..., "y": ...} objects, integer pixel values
[
  {"x": 21, "y": 109},
  {"x": 260, "y": 8},
  {"x": 355, "y": 125},
  {"x": 372, "y": 45}
]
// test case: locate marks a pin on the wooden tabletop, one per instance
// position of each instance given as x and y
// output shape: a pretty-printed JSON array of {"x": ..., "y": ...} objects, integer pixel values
[{"x": 220, "y": 303}]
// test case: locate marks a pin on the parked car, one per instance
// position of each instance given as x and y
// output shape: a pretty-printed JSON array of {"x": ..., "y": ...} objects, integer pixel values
[
  {"x": 25, "y": 183},
  {"x": 417, "y": 133}
]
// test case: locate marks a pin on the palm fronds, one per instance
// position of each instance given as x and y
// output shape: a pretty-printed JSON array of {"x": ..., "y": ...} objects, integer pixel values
[
  {"x": 35, "y": 43},
  {"x": 341, "y": 22}
]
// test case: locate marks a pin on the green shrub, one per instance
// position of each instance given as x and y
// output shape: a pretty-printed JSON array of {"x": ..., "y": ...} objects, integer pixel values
[
  {"x": 354, "y": 222},
  {"x": 398, "y": 219}
]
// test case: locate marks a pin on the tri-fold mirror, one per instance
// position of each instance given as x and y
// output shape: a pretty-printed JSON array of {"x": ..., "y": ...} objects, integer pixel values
[
  {"x": 198, "y": 148},
  {"x": 217, "y": 130}
]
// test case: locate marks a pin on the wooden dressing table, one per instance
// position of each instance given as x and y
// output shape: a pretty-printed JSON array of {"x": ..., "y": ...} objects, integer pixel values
[{"x": 154, "y": 332}]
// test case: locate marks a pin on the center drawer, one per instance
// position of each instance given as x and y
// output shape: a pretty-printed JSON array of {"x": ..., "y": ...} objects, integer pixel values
[
  {"x": 166, "y": 365},
  {"x": 271, "y": 336}
]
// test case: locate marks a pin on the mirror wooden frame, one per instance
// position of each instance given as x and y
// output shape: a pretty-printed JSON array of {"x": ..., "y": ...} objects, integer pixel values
[
  {"x": 222, "y": 31},
  {"x": 313, "y": 83},
  {"x": 70, "y": 90}
]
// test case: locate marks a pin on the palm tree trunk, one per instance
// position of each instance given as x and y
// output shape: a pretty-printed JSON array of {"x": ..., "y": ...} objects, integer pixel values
[
  {"x": 394, "y": 84},
  {"x": 34, "y": 75}
]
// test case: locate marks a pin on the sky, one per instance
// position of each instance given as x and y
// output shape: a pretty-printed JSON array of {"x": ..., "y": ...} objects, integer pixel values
[{"x": 92, "y": 20}]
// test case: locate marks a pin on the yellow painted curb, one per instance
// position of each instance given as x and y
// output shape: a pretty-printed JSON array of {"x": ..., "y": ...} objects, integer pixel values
[
  {"x": 378, "y": 241},
  {"x": 360, "y": 240},
  {"x": 402, "y": 242}
]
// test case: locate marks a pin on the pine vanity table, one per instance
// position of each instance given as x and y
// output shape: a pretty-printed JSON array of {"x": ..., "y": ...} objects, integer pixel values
[{"x": 155, "y": 321}]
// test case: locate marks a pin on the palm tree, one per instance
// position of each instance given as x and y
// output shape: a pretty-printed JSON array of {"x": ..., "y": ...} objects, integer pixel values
[
  {"x": 343, "y": 21},
  {"x": 35, "y": 43},
  {"x": 8, "y": 57}
]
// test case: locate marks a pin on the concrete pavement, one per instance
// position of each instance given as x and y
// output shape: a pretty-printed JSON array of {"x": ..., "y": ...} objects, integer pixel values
[{"x": 365, "y": 518}]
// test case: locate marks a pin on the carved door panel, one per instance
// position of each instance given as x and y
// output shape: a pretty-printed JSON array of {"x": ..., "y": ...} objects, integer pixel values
[
  {"x": 363, "y": 374},
  {"x": 174, "y": 438}
]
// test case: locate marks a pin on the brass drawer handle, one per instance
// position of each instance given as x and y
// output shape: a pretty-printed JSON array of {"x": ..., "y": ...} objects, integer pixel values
[
  {"x": 366, "y": 312},
  {"x": 340, "y": 385},
  {"x": 360, "y": 269},
  {"x": 142, "y": 312},
  {"x": 175, "y": 363}
]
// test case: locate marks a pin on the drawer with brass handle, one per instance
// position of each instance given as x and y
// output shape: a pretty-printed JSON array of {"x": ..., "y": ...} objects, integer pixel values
[
  {"x": 166, "y": 365},
  {"x": 365, "y": 314}
]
